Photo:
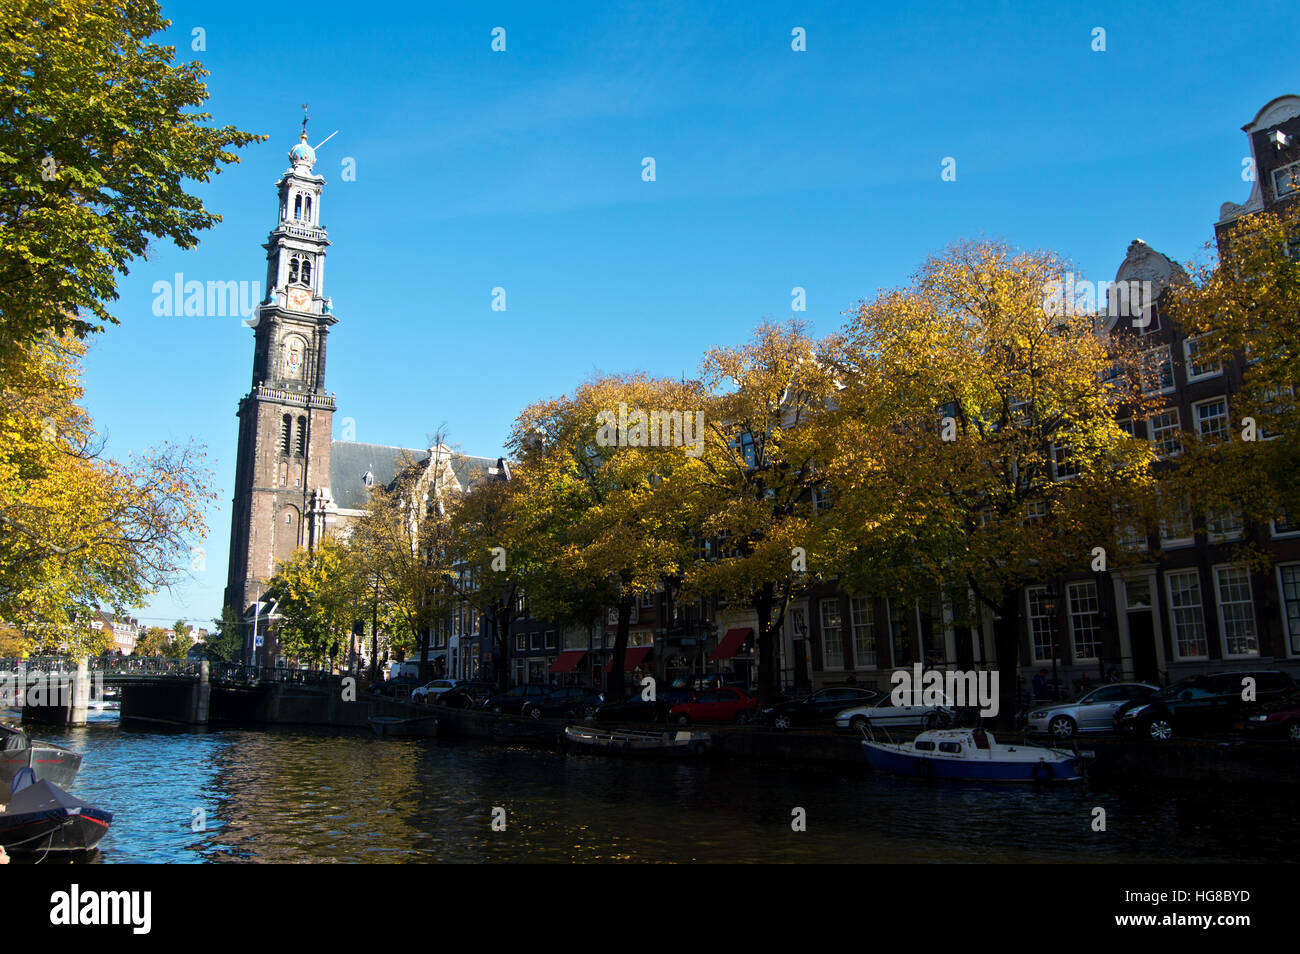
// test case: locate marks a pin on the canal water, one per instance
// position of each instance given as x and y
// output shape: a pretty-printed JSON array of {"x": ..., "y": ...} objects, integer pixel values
[{"x": 318, "y": 796}]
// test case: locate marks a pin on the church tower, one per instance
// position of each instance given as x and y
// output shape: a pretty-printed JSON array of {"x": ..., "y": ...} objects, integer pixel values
[{"x": 282, "y": 468}]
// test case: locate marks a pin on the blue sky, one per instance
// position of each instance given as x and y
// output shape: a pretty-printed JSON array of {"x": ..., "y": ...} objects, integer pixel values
[{"x": 774, "y": 169}]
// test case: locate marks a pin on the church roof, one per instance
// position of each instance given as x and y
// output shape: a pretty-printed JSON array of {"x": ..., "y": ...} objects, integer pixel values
[{"x": 351, "y": 462}]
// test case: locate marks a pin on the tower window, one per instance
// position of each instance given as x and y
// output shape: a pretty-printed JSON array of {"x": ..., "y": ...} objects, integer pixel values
[
  {"x": 297, "y": 206},
  {"x": 293, "y": 270},
  {"x": 284, "y": 435},
  {"x": 309, "y": 209},
  {"x": 306, "y": 271},
  {"x": 302, "y": 436}
]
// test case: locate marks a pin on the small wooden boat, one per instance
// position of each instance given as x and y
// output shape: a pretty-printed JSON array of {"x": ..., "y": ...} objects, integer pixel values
[
  {"x": 396, "y": 727},
  {"x": 680, "y": 742},
  {"x": 972, "y": 754},
  {"x": 49, "y": 761},
  {"x": 43, "y": 817}
]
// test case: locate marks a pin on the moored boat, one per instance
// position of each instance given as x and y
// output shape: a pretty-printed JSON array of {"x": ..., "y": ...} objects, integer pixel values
[
  {"x": 681, "y": 742},
  {"x": 50, "y": 762},
  {"x": 972, "y": 754},
  {"x": 419, "y": 727},
  {"x": 43, "y": 817}
]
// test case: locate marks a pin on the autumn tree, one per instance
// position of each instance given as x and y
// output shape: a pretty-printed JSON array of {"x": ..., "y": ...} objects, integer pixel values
[
  {"x": 225, "y": 642},
  {"x": 316, "y": 598},
  {"x": 756, "y": 492},
  {"x": 79, "y": 529},
  {"x": 403, "y": 543},
  {"x": 1243, "y": 309},
  {"x": 979, "y": 439},
  {"x": 603, "y": 467}
]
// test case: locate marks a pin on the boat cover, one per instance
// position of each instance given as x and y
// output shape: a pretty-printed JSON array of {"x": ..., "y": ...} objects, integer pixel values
[{"x": 44, "y": 796}]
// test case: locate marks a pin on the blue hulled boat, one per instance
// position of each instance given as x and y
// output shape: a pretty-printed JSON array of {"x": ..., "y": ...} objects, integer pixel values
[{"x": 972, "y": 754}]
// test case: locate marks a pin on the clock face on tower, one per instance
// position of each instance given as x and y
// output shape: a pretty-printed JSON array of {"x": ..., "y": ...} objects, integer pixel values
[{"x": 299, "y": 299}]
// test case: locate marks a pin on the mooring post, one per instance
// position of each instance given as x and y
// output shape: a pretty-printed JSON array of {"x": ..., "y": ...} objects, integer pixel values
[
  {"x": 203, "y": 697},
  {"x": 80, "y": 701}
]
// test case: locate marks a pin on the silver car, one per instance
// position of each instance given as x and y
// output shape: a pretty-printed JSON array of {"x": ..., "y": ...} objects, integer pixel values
[
  {"x": 884, "y": 712},
  {"x": 1091, "y": 712}
]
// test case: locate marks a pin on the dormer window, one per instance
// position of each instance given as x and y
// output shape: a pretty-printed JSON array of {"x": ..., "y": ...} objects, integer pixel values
[
  {"x": 1286, "y": 180},
  {"x": 368, "y": 479}
]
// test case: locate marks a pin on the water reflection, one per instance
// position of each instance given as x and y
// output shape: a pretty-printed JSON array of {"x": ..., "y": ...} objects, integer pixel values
[{"x": 308, "y": 796}]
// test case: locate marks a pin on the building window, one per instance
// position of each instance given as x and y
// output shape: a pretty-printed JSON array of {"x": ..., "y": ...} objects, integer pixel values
[
  {"x": 535, "y": 642},
  {"x": 1035, "y": 512},
  {"x": 297, "y": 206},
  {"x": 519, "y": 673},
  {"x": 285, "y": 426},
  {"x": 293, "y": 270},
  {"x": 550, "y": 639},
  {"x": 1164, "y": 430},
  {"x": 1286, "y": 180},
  {"x": 521, "y": 642},
  {"x": 1289, "y": 584},
  {"x": 832, "y": 635},
  {"x": 1236, "y": 611},
  {"x": 1175, "y": 521},
  {"x": 1283, "y": 525},
  {"x": 537, "y": 670},
  {"x": 903, "y": 654},
  {"x": 1063, "y": 463},
  {"x": 1211, "y": 419},
  {"x": 306, "y": 271},
  {"x": 1085, "y": 620},
  {"x": 1158, "y": 370},
  {"x": 1185, "y": 614},
  {"x": 302, "y": 437},
  {"x": 308, "y": 216},
  {"x": 1197, "y": 368},
  {"x": 1224, "y": 523},
  {"x": 1040, "y": 624},
  {"x": 864, "y": 633}
]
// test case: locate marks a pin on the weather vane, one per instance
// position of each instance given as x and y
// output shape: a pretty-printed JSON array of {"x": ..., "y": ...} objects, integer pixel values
[{"x": 305, "y": 117}]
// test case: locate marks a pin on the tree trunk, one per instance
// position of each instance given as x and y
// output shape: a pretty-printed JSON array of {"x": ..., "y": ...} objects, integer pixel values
[
  {"x": 501, "y": 640},
  {"x": 614, "y": 691},
  {"x": 1006, "y": 642}
]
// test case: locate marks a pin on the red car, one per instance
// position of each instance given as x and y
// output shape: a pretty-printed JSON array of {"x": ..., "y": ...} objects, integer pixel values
[
  {"x": 716, "y": 705},
  {"x": 1279, "y": 719}
]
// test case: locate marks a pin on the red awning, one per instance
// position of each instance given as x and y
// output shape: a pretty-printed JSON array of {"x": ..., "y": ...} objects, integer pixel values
[
  {"x": 568, "y": 660},
  {"x": 632, "y": 657},
  {"x": 728, "y": 645}
]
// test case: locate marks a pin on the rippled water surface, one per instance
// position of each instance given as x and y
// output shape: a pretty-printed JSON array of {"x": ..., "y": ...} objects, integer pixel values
[{"x": 315, "y": 796}]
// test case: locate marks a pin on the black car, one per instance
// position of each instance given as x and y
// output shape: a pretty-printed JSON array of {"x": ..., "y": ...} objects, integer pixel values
[
  {"x": 514, "y": 701},
  {"x": 399, "y": 686},
  {"x": 466, "y": 694},
  {"x": 633, "y": 708},
  {"x": 820, "y": 708},
  {"x": 570, "y": 701},
  {"x": 1201, "y": 704}
]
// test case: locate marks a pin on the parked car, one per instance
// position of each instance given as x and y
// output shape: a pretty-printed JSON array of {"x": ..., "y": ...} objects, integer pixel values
[
  {"x": 397, "y": 686},
  {"x": 820, "y": 708},
  {"x": 568, "y": 702},
  {"x": 1201, "y": 704},
  {"x": 1280, "y": 718},
  {"x": 633, "y": 708},
  {"x": 467, "y": 694},
  {"x": 431, "y": 690},
  {"x": 716, "y": 705},
  {"x": 1091, "y": 712},
  {"x": 515, "y": 699},
  {"x": 885, "y": 713}
]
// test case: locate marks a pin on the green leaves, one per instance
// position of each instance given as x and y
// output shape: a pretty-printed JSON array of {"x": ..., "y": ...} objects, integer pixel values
[{"x": 97, "y": 141}]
